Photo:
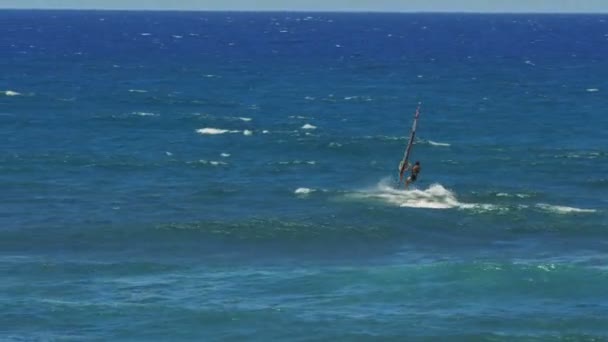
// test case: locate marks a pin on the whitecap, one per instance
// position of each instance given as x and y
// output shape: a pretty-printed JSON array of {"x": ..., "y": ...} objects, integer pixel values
[
  {"x": 592, "y": 90},
  {"x": 547, "y": 268},
  {"x": 247, "y": 132},
  {"x": 137, "y": 91},
  {"x": 309, "y": 126},
  {"x": 265, "y": 131},
  {"x": 303, "y": 191},
  {"x": 144, "y": 114},
  {"x": 225, "y": 155},
  {"x": 435, "y": 143},
  {"x": 11, "y": 93},
  {"x": 244, "y": 119},
  {"x": 145, "y": 34},
  {"x": 210, "y": 162},
  {"x": 504, "y": 194},
  {"x": 168, "y": 153},
  {"x": 213, "y": 131},
  {"x": 560, "y": 209},
  {"x": 177, "y": 36}
]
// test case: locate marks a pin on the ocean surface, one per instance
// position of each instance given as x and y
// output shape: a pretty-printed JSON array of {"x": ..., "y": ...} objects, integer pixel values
[{"x": 233, "y": 176}]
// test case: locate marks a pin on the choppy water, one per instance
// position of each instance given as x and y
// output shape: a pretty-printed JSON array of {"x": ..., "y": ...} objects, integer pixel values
[{"x": 212, "y": 176}]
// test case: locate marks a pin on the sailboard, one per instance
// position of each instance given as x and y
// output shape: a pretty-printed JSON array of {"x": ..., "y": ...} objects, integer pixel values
[{"x": 404, "y": 165}]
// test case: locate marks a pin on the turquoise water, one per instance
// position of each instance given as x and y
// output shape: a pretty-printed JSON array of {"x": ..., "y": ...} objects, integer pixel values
[{"x": 228, "y": 176}]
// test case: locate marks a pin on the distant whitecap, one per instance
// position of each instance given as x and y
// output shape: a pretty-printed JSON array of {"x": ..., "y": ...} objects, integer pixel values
[
  {"x": 435, "y": 143},
  {"x": 214, "y": 131},
  {"x": 309, "y": 126},
  {"x": 209, "y": 162},
  {"x": 11, "y": 93},
  {"x": 144, "y": 114},
  {"x": 303, "y": 191},
  {"x": 559, "y": 209}
]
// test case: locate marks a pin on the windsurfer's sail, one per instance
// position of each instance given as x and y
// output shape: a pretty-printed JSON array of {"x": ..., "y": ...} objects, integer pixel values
[{"x": 403, "y": 166}]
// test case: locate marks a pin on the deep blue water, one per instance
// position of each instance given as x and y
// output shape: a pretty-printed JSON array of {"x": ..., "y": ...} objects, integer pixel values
[{"x": 229, "y": 176}]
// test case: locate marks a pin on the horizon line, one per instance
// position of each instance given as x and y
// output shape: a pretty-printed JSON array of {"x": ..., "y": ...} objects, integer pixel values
[{"x": 295, "y": 11}]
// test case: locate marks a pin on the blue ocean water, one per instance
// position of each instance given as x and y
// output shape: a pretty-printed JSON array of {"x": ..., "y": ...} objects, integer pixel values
[{"x": 232, "y": 176}]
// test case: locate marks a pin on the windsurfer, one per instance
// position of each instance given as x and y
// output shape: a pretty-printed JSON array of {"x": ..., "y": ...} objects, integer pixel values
[{"x": 413, "y": 175}]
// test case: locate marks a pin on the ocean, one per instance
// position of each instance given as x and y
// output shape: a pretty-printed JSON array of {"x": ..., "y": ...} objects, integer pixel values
[{"x": 217, "y": 176}]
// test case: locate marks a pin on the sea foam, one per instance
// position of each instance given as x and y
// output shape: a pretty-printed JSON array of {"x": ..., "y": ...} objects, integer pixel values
[{"x": 436, "y": 196}]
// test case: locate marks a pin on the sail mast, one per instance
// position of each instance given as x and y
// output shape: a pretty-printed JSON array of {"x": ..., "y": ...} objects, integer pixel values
[{"x": 403, "y": 166}]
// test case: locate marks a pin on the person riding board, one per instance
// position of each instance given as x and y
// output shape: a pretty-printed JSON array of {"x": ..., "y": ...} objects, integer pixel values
[{"x": 413, "y": 175}]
